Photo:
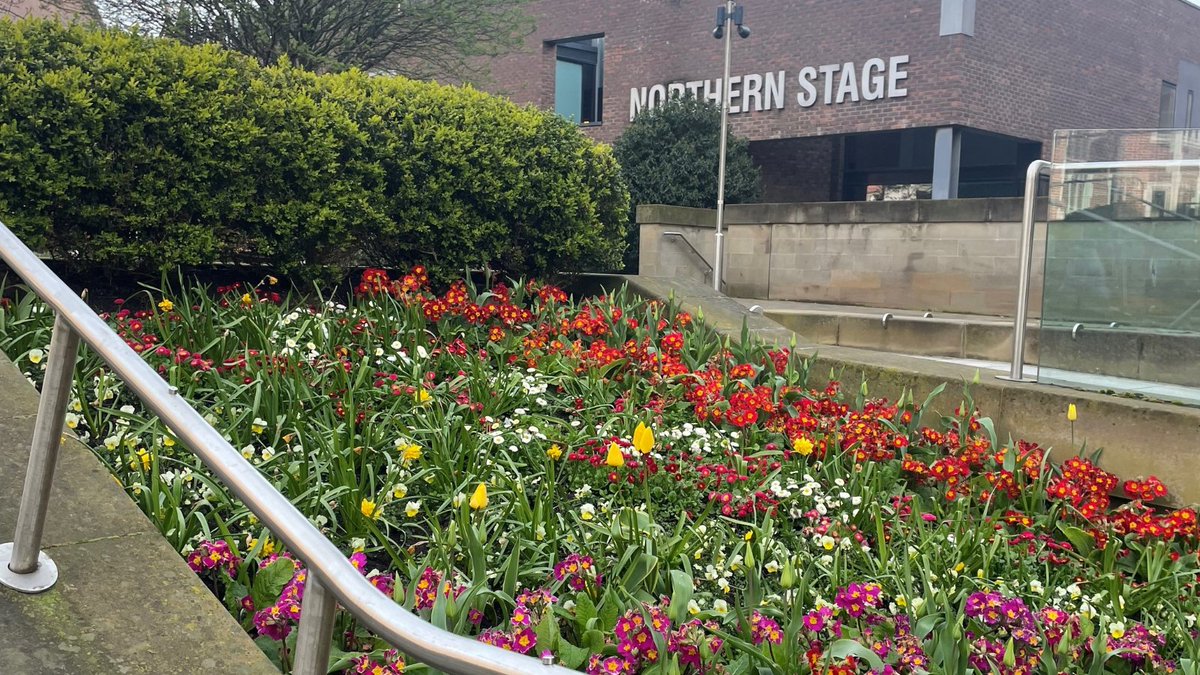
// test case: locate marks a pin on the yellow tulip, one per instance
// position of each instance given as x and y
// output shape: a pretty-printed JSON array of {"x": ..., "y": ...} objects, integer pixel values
[
  {"x": 615, "y": 457},
  {"x": 643, "y": 438},
  {"x": 1072, "y": 413},
  {"x": 479, "y": 499}
]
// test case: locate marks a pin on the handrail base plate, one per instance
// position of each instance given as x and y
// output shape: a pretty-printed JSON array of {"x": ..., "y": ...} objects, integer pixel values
[
  {"x": 1024, "y": 380},
  {"x": 40, "y": 580}
]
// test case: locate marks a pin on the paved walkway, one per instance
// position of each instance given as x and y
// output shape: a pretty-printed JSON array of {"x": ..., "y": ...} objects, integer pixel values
[{"x": 125, "y": 601}]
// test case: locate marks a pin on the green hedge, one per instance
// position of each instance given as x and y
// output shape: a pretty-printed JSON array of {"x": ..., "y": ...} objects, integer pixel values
[{"x": 142, "y": 153}]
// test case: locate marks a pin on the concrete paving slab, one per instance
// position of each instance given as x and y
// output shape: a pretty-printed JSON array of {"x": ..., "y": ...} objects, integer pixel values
[
  {"x": 85, "y": 502},
  {"x": 125, "y": 602},
  {"x": 125, "y": 605}
]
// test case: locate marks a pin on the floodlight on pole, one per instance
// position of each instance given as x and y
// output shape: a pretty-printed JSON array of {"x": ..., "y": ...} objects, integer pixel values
[{"x": 728, "y": 16}]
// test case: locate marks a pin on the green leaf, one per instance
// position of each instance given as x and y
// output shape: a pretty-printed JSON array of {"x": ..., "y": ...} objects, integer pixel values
[
  {"x": 639, "y": 569},
  {"x": 1082, "y": 541},
  {"x": 514, "y": 566},
  {"x": 682, "y": 588},
  {"x": 843, "y": 648},
  {"x": 270, "y": 580},
  {"x": 547, "y": 633},
  {"x": 609, "y": 611},
  {"x": 572, "y": 656},
  {"x": 585, "y": 611},
  {"x": 593, "y": 641}
]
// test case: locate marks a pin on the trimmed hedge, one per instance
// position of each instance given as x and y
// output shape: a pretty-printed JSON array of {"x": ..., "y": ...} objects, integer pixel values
[{"x": 141, "y": 154}]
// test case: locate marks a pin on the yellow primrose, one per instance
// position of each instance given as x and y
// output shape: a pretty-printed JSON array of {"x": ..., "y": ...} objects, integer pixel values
[
  {"x": 166, "y": 305},
  {"x": 615, "y": 458},
  {"x": 369, "y": 509},
  {"x": 421, "y": 395},
  {"x": 643, "y": 438},
  {"x": 554, "y": 452},
  {"x": 479, "y": 499}
]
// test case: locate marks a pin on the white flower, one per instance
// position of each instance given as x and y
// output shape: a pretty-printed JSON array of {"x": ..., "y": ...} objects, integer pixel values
[
  {"x": 36, "y": 355},
  {"x": 721, "y": 607},
  {"x": 259, "y": 425},
  {"x": 127, "y": 409},
  {"x": 693, "y": 607},
  {"x": 1074, "y": 592},
  {"x": 1036, "y": 587},
  {"x": 248, "y": 451},
  {"x": 412, "y": 508},
  {"x": 72, "y": 420},
  {"x": 267, "y": 454},
  {"x": 587, "y": 511}
]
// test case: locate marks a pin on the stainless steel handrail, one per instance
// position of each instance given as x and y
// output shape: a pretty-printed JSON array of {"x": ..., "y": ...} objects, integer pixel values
[
  {"x": 1033, "y": 177},
  {"x": 682, "y": 239},
  {"x": 331, "y": 576}
]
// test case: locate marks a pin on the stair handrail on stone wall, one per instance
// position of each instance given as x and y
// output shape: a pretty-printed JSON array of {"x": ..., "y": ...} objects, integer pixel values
[{"x": 332, "y": 579}]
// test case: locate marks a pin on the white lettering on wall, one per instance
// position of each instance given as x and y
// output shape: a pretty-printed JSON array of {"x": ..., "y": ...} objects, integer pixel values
[
  {"x": 895, "y": 75},
  {"x": 773, "y": 100},
  {"x": 848, "y": 85},
  {"x": 872, "y": 79},
  {"x": 831, "y": 83},
  {"x": 752, "y": 92},
  {"x": 808, "y": 91},
  {"x": 637, "y": 101}
]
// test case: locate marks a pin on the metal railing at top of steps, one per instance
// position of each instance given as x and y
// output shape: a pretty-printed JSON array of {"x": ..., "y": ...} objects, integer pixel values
[
  {"x": 683, "y": 240},
  {"x": 331, "y": 577},
  {"x": 1033, "y": 176}
]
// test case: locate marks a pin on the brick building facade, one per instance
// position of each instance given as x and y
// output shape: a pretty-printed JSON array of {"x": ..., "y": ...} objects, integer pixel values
[{"x": 870, "y": 99}]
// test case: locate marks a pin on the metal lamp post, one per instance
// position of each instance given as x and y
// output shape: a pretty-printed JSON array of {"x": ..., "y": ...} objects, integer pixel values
[{"x": 728, "y": 16}]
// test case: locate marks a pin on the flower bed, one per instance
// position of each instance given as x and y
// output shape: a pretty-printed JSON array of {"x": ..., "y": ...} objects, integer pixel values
[{"x": 610, "y": 481}]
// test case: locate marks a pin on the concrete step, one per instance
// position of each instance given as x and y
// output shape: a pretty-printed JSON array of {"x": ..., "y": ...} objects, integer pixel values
[
  {"x": 125, "y": 601},
  {"x": 1169, "y": 357}
]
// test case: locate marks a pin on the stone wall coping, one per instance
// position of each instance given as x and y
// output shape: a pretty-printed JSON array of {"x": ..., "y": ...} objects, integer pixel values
[{"x": 987, "y": 210}]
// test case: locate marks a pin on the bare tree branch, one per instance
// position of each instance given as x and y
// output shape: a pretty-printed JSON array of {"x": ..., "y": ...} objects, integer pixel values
[{"x": 418, "y": 38}]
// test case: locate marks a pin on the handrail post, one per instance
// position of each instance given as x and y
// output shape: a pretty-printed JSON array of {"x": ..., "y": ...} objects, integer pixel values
[
  {"x": 23, "y": 567},
  {"x": 1033, "y": 177},
  {"x": 315, "y": 633}
]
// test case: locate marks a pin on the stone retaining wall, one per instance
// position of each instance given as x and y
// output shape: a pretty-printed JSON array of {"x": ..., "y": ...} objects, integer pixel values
[{"x": 956, "y": 256}]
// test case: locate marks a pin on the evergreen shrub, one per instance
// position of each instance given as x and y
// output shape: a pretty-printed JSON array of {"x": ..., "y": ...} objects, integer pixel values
[{"x": 144, "y": 154}]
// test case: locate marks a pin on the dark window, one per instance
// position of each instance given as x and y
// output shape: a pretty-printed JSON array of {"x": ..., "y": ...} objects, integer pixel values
[
  {"x": 579, "y": 79},
  {"x": 1166, "y": 106}
]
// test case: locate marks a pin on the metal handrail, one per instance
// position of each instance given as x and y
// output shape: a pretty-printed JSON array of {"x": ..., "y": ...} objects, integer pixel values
[
  {"x": 682, "y": 238},
  {"x": 332, "y": 579},
  {"x": 1033, "y": 174}
]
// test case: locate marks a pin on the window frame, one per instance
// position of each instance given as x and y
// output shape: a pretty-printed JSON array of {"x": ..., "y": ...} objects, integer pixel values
[{"x": 591, "y": 103}]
